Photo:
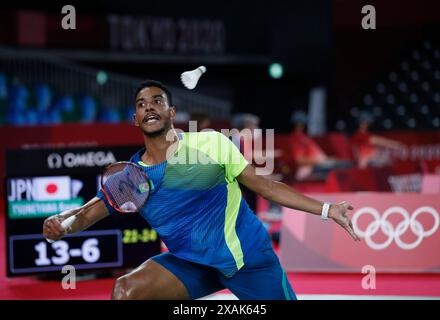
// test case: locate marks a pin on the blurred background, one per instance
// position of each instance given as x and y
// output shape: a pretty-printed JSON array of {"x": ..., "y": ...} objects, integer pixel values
[{"x": 356, "y": 116}]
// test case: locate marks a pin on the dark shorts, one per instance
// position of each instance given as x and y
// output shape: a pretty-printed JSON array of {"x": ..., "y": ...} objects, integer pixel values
[{"x": 261, "y": 278}]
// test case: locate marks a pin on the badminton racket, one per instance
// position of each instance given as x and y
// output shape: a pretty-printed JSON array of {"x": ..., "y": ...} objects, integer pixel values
[{"x": 125, "y": 186}]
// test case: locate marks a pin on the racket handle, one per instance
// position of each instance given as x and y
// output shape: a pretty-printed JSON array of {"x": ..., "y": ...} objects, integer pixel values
[
  {"x": 68, "y": 222},
  {"x": 65, "y": 224}
]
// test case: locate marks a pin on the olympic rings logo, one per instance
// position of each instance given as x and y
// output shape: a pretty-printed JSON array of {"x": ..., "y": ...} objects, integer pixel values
[{"x": 395, "y": 233}]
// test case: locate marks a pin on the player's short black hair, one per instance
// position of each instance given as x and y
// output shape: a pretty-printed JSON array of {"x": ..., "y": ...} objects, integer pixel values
[{"x": 157, "y": 84}]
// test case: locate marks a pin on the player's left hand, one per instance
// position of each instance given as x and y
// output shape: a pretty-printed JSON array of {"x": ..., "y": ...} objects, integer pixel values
[{"x": 339, "y": 213}]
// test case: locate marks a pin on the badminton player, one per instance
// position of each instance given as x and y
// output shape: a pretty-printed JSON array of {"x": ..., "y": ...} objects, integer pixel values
[{"x": 215, "y": 241}]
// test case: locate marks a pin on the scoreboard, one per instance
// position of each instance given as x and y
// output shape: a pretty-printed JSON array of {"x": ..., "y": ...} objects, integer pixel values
[{"x": 44, "y": 182}]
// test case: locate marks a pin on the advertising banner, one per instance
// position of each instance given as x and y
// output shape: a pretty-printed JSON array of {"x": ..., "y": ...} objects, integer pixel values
[{"x": 399, "y": 233}]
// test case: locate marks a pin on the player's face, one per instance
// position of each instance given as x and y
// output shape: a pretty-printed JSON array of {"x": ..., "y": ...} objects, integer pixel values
[
  {"x": 300, "y": 127},
  {"x": 153, "y": 113},
  {"x": 364, "y": 126}
]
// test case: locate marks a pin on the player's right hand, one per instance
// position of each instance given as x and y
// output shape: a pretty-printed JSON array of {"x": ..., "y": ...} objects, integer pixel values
[{"x": 52, "y": 228}]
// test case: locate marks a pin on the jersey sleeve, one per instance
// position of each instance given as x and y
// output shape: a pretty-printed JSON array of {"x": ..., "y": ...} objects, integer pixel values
[
  {"x": 101, "y": 196},
  {"x": 230, "y": 157}
]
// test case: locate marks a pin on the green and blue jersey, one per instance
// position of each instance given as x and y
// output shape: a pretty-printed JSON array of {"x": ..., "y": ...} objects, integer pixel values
[{"x": 196, "y": 205}]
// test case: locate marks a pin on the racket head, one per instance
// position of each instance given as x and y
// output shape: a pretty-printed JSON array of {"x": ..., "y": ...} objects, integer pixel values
[{"x": 125, "y": 186}]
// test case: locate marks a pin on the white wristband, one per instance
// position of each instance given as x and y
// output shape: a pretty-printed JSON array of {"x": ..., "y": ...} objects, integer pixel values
[{"x": 325, "y": 209}]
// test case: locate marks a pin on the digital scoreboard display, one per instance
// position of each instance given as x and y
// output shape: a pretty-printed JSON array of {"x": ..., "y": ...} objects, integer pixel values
[{"x": 44, "y": 182}]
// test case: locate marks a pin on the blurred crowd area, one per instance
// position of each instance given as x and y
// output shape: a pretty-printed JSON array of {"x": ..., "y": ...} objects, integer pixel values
[
  {"x": 42, "y": 104},
  {"x": 405, "y": 95}
]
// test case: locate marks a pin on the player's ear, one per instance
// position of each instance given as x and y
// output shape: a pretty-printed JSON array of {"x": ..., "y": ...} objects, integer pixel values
[
  {"x": 136, "y": 123},
  {"x": 173, "y": 112}
]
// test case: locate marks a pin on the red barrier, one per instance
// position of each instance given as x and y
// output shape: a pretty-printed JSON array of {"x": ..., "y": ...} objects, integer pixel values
[
  {"x": 368, "y": 179},
  {"x": 399, "y": 233}
]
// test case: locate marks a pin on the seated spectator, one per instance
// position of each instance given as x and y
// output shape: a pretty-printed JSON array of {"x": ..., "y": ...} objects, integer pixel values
[
  {"x": 366, "y": 146},
  {"x": 311, "y": 161},
  {"x": 247, "y": 125},
  {"x": 202, "y": 120}
]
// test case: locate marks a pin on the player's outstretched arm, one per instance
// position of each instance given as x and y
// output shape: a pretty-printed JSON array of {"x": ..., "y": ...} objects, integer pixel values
[
  {"x": 287, "y": 197},
  {"x": 53, "y": 230}
]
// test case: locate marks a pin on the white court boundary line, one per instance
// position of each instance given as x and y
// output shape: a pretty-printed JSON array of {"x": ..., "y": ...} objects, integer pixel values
[{"x": 230, "y": 296}]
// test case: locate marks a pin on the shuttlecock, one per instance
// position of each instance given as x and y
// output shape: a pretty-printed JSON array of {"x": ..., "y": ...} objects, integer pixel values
[{"x": 190, "y": 78}]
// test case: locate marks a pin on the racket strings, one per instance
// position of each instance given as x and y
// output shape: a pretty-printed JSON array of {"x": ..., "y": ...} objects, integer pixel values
[{"x": 126, "y": 186}]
